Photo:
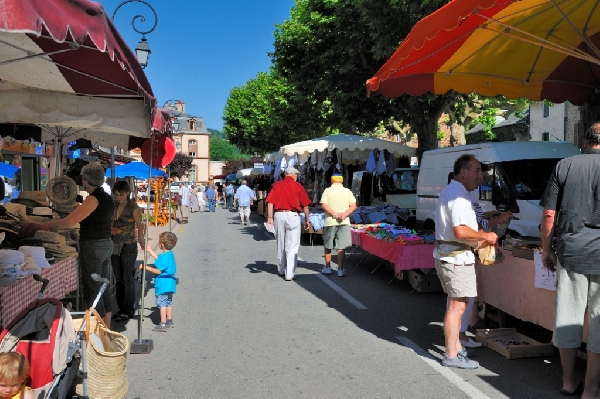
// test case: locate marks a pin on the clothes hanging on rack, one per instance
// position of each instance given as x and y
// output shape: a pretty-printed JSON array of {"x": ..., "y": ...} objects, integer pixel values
[
  {"x": 371, "y": 162},
  {"x": 381, "y": 163},
  {"x": 390, "y": 166}
]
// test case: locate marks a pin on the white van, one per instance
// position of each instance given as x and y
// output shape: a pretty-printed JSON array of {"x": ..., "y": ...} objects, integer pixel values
[
  {"x": 401, "y": 190},
  {"x": 517, "y": 177}
]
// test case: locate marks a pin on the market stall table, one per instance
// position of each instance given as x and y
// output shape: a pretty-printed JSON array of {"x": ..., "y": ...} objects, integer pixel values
[
  {"x": 63, "y": 276},
  {"x": 509, "y": 286},
  {"x": 403, "y": 256}
]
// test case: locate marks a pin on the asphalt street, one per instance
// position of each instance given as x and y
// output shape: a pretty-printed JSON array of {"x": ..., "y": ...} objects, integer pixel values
[{"x": 243, "y": 332}]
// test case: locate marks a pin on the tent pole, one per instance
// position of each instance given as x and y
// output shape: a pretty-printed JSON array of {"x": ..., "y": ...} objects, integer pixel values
[{"x": 140, "y": 345}]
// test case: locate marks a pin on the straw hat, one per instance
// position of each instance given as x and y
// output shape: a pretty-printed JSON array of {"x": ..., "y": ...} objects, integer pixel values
[
  {"x": 42, "y": 211},
  {"x": 61, "y": 190},
  {"x": 30, "y": 264}
]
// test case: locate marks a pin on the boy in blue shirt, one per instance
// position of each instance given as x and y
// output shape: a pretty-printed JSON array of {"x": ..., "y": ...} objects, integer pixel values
[{"x": 164, "y": 280}]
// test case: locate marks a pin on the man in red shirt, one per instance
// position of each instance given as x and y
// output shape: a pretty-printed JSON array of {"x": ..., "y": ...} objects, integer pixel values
[{"x": 285, "y": 201}]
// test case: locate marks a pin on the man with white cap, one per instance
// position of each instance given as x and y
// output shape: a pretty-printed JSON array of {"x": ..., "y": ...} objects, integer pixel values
[
  {"x": 338, "y": 203},
  {"x": 285, "y": 201}
]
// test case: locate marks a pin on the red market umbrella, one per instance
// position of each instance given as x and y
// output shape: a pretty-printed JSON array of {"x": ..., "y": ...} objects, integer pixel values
[
  {"x": 538, "y": 49},
  {"x": 65, "y": 68}
]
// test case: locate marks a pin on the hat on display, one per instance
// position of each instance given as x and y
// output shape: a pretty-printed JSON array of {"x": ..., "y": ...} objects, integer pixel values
[
  {"x": 30, "y": 264},
  {"x": 61, "y": 190},
  {"x": 80, "y": 143},
  {"x": 291, "y": 171},
  {"x": 42, "y": 211},
  {"x": 38, "y": 254}
]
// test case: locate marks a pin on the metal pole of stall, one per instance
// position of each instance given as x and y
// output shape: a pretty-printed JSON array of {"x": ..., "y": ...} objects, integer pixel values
[{"x": 140, "y": 345}]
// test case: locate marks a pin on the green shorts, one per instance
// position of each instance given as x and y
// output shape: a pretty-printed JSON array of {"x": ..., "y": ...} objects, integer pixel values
[
  {"x": 577, "y": 296},
  {"x": 337, "y": 237}
]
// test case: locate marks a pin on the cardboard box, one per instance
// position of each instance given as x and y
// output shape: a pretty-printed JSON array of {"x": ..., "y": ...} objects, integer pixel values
[
  {"x": 513, "y": 345},
  {"x": 424, "y": 282},
  {"x": 523, "y": 251}
]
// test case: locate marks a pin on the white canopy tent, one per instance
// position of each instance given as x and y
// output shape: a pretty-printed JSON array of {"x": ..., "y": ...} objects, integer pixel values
[
  {"x": 354, "y": 147},
  {"x": 243, "y": 173}
]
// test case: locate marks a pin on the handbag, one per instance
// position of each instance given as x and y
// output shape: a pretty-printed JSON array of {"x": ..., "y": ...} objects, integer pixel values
[{"x": 106, "y": 358}]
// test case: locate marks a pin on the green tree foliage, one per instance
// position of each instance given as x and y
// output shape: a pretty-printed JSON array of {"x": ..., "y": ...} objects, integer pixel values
[
  {"x": 222, "y": 150},
  {"x": 267, "y": 113},
  {"x": 216, "y": 133},
  {"x": 328, "y": 49},
  {"x": 179, "y": 166}
]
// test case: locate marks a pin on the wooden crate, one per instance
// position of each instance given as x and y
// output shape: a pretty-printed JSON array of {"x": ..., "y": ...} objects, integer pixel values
[
  {"x": 522, "y": 252},
  {"x": 512, "y": 345},
  {"x": 424, "y": 282}
]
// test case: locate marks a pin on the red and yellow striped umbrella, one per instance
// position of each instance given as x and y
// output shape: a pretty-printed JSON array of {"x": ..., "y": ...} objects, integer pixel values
[{"x": 538, "y": 49}]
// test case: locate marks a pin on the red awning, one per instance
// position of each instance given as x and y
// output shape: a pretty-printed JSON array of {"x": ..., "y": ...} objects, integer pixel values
[{"x": 64, "y": 65}]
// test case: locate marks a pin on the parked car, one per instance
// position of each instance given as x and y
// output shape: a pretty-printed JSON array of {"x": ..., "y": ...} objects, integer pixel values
[{"x": 175, "y": 186}]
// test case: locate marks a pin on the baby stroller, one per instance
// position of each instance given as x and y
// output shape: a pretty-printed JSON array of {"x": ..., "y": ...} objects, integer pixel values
[
  {"x": 42, "y": 333},
  {"x": 45, "y": 335}
]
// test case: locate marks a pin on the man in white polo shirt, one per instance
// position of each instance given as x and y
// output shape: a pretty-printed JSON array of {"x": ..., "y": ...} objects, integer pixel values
[{"x": 456, "y": 233}]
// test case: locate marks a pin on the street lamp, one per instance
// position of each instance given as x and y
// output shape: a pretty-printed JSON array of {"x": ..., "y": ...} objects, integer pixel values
[{"x": 142, "y": 51}]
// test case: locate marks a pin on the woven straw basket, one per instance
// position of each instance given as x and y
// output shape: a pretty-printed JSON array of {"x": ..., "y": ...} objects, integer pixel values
[{"x": 107, "y": 372}]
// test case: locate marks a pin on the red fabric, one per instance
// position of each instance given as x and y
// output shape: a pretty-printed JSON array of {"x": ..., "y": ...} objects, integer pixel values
[
  {"x": 417, "y": 46},
  {"x": 404, "y": 257},
  {"x": 163, "y": 151},
  {"x": 63, "y": 276},
  {"x": 162, "y": 122},
  {"x": 289, "y": 195},
  {"x": 53, "y": 24},
  {"x": 37, "y": 351}
]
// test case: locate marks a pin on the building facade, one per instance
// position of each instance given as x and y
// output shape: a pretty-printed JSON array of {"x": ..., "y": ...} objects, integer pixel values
[{"x": 192, "y": 139}]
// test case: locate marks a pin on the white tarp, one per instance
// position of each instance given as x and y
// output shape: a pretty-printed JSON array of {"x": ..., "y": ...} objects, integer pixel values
[
  {"x": 65, "y": 116},
  {"x": 354, "y": 148},
  {"x": 243, "y": 173}
]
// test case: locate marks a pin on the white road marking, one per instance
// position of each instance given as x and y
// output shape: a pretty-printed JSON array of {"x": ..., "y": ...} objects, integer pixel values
[
  {"x": 343, "y": 293},
  {"x": 446, "y": 372}
]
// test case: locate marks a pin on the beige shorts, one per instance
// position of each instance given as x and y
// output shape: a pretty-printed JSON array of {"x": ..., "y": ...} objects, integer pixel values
[
  {"x": 577, "y": 296},
  {"x": 458, "y": 281}
]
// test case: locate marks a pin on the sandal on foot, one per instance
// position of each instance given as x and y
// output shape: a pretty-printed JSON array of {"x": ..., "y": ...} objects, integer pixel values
[{"x": 576, "y": 392}]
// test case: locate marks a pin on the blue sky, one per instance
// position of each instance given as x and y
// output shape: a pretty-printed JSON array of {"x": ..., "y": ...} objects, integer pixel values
[{"x": 201, "y": 49}]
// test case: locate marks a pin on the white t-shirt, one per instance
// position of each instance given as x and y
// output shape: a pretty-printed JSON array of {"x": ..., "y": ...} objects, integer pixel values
[{"x": 454, "y": 209}]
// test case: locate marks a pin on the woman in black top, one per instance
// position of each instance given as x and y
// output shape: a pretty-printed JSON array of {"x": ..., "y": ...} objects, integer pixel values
[{"x": 94, "y": 216}]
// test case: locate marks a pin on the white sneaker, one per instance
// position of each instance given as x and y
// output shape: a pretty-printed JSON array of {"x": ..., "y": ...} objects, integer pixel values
[
  {"x": 470, "y": 343},
  {"x": 326, "y": 270},
  {"x": 341, "y": 273}
]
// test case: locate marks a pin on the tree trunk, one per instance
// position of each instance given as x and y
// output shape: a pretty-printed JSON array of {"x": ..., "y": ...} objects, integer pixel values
[{"x": 427, "y": 135}]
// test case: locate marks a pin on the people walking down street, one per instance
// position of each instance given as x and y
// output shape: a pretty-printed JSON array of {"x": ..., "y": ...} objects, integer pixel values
[
  {"x": 338, "y": 203},
  {"x": 229, "y": 193},
  {"x": 211, "y": 197},
  {"x": 220, "y": 193},
  {"x": 184, "y": 202},
  {"x": 127, "y": 217},
  {"x": 201, "y": 201},
  {"x": 165, "y": 282},
  {"x": 244, "y": 197},
  {"x": 456, "y": 233},
  {"x": 286, "y": 199},
  {"x": 571, "y": 208},
  {"x": 194, "y": 206}
]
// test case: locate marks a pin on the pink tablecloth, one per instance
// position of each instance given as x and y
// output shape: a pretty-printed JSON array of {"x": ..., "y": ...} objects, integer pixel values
[
  {"x": 509, "y": 286},
  {"x": 403, "y": 256},
  {"x": 63, "y": 276}
]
